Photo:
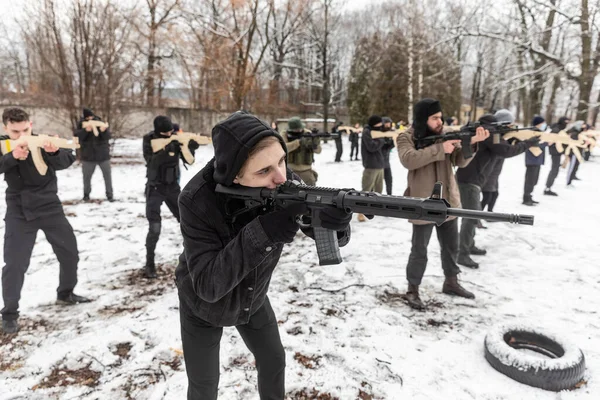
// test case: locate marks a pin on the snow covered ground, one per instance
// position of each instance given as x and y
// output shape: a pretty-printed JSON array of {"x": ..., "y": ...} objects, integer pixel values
[{"x": 347, "y": 332}]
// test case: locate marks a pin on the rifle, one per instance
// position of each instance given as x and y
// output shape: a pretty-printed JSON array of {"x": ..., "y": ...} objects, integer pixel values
[
  {"x": 35, "y": 143},
  {"x": 387, "y": 134},
  {"x": 313, "y": 134},
  {"x": 434, "y": 209},
  {"x": 94, "y": 125},
  {"x": 183, "y": 138},
  {"x": 561, "y": 138},
  {"x": 464, "y": 134}
]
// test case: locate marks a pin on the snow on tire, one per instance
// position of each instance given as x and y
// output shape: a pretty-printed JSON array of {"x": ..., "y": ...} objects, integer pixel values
[{"x": 562, "y": 367}]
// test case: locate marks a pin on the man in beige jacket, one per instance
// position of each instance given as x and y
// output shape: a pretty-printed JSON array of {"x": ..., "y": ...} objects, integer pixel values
[{"x": 426, "y": 166}]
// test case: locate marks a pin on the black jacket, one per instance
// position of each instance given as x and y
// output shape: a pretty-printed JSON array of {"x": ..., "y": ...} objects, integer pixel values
[
  {"x": 225, "y": 270},
  {"x": 388, "y": 145},
  {"x": 371, "y": 150},
  {"x": 30, "y": 195},
  {"x": 555, "y": 128},
  {"x": 162, "y": 167},
  {"x": 479, "y": 169},
  {"x": 93, "y": 148}
]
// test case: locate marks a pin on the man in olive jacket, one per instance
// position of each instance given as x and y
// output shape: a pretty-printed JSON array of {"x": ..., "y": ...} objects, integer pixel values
[{"x": 426, "y": 166}]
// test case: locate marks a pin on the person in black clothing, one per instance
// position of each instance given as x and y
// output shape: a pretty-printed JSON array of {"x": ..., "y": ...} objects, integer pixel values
[
  {"x": 163, "y": 183},
  {"x": 578, "y": 127},
  {"x": 230, "y": 253},
  {"x": 95, "y": 151},
  {"x": 533, "y": 164},
  {"x": 472, "y": 178},
  {"x": 353, "y": 137},
  {"x": 388, "y": 145},
  {"x": 339, "y": 149},
  {"x": 32, "y": 204},
  {"x": 561, "y": 125},
  {"x": 372, "y": 158}
]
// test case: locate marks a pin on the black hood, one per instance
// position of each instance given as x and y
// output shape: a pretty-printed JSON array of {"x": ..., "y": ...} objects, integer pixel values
[
  {"x": 233, "y": 139},
  {"x": 562, "y": 123},
  {"x": 421, "y": 113}
]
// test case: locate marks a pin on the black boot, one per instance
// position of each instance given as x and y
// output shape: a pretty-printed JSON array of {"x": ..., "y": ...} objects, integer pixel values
[
  {"x": 476, "y": 251},
  {"x": 467, "y": 261},
  {"x": 527, "y": 201},
  {"x": 549, "y": 192},
  {"x": 452, "y": 287},
  {"x": 412, "y": 296},
  {"x": 70, "y": 298},
  {"x": 10, "y": 326},
  {"x": 150, "y": 268}
]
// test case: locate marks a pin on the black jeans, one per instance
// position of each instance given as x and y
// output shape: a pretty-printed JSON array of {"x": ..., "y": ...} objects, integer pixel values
[
  {"x": 447, "y": 234},
  {"x": 201, "y": 346},
  {"x": 553, "y": 170},
  {"x": 572, "y": 170},
  {"x": 353, "y": 150},
  {"x": 19, "y": 238},
  {"x": 531, "y": 179},
  {"x": 387, "y": 177},
  {"x": 155, "y": 196},
  {"x": 339, "y": 149},
  {"x": 469, "y": 197},
  {"x": 489, "y": 200}
]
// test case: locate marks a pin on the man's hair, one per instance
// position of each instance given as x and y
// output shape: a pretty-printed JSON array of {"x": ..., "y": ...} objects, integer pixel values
[
  {"x": 14, "y": 114},
  {"x": 261, "y": 145}
]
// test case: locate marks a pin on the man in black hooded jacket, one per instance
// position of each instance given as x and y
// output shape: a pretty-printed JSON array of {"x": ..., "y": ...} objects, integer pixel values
[
  {"x": 32, "y": 204},
  {"x": 471, "y": 179},
  {"x": 163, "y": 183},
  {"x": 561, "y": 125},
  {"x": 230, "y": 253},
  {"x": 95, "y": 151}
]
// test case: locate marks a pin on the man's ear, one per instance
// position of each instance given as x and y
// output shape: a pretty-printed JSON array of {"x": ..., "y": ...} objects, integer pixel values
[{"x": 235, "y": 180}]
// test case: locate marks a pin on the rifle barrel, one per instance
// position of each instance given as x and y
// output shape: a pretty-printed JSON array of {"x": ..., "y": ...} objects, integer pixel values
[{"x": 491, "y": 216}]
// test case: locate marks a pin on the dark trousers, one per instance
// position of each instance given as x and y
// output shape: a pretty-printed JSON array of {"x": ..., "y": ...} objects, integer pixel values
[
  {"x": 387, "y": 177},
  {"x": 353, "y": 150},
  {"x": 339, "y": 149},
  {"x": 553, "y": 170},
  {"x": 88, "y": 168},
  {"x": 573, "y": 167},
  {"x": 19, "y": 238},
  {"x": 447, "y": 234},
  {"x": 489, "y": 200},
  {"x": 201, "y": 346},
  {"x": 469, "y": 197},
  {"x": 155, "y": 196},
  {"x": 532, "y": 175}
]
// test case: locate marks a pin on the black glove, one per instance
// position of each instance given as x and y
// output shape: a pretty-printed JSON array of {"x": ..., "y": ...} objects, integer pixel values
[
  {"x": 173, "y": 147},
  {"x": 193, "y": 145},
  {"x": 534, "y": 141},
  {"x": 281, "y": 225},
  {"x": 335, "y": 219}
]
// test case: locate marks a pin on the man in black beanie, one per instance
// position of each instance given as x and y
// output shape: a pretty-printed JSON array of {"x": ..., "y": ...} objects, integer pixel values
[
  {"x": 231, "y": 251},
  {"x": 555, "y": 156},
  {"x": 426, "y": 166},
  {"x": 163, "y": 183},
  {"x": 95, "y": 151},
  {"x": 372, "y": 158}
]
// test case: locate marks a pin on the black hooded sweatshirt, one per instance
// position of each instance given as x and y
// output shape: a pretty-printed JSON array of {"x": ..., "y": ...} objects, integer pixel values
[
  {"x": 93, "y": 148},
  {"x": 561, "y": 125},
  {"x": 224, "y": 272}
]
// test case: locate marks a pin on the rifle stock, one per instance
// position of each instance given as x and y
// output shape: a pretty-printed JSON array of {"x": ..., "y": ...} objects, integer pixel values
[
  {"x": 35, "y": 143},
  {"x": 433, "y": 209}
]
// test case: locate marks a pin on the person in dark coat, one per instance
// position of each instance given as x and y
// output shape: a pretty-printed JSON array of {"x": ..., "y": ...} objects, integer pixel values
[
  {"x": 32, "y": 204},
  {"x": 339, "y": 148},
  {"x": 372, "y": 158},
  {"x": 472, "y": 179},
  {"x": 388, "y": 145},
  {"x": 95, "y": 151},
  {"x": 162, "y": 183},
  {"x": 231, "y": 251},
  {"x": 555, "y": 156},
  {"x": 354, "y": 139},
  {"x": 576, "y": 129},
  {"x": 534, "y": 163}
]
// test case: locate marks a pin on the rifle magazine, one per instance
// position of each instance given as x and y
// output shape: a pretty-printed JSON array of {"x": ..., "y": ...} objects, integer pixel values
[{"x": 328, "y": 248}]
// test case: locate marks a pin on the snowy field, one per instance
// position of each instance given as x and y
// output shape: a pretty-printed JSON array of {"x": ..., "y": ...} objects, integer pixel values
[{"x": 347, "y": 332}]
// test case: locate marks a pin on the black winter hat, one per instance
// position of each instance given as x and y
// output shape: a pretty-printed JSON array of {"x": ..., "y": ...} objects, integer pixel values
[
  {"x": 374, "y": 120},
  {"x": 233, "y": 139},
  {"x": 87, "y": 113},
  {"x": 421, "y": 113},
  {"x": 176, "y": 128},
  {"x": 162, "y": 124},
  {"x": 537, "y": 120},
  {"x": 487, "y": 119}
]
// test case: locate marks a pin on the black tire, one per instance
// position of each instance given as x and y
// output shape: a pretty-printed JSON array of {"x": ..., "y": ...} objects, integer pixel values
[{"x": 563, "y": 368}]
